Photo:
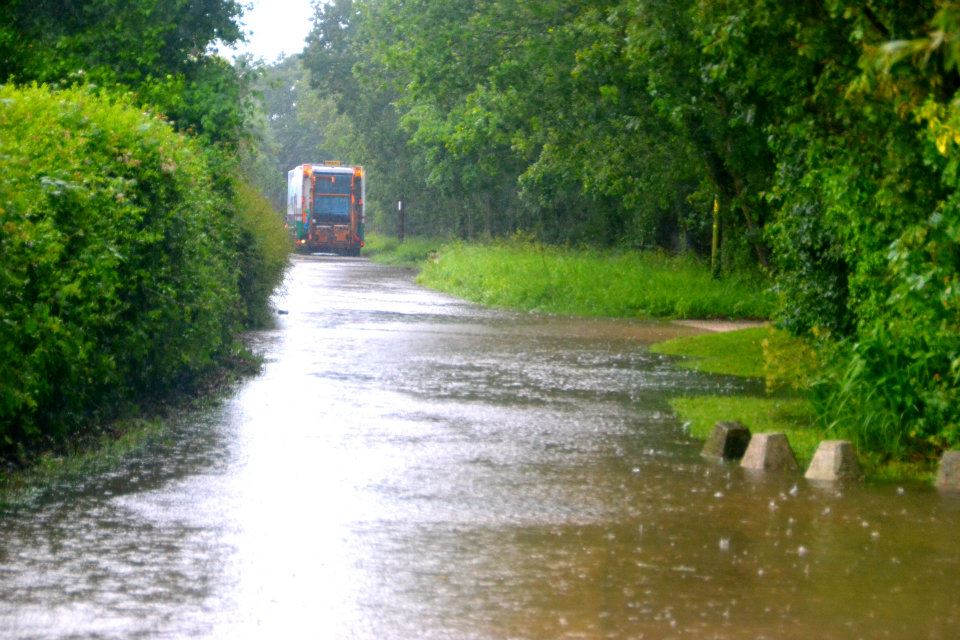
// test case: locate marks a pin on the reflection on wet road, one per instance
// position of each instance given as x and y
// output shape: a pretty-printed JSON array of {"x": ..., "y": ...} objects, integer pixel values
[{"x": 410, "y": 466}]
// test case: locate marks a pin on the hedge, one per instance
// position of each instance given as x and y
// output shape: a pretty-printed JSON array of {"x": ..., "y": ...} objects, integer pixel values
[{"x": 118, "y": 276}]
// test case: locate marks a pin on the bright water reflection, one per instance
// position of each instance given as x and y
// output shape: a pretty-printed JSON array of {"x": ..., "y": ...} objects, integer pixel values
[{"x": 408, "y": 466}]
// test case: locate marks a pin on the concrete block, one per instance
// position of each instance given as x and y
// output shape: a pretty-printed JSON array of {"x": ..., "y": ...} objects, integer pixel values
[
  {"x": 728, "y": 441},
  {"x": 769, "y": 452},
  {"x": 949, "y": 475},
  {"x": 834, "y": 460}
]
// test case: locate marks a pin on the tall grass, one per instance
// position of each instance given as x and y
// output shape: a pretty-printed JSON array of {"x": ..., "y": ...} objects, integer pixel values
[
  {"x": 534, "y": 277},
  {"x": 412, "y": 252}
]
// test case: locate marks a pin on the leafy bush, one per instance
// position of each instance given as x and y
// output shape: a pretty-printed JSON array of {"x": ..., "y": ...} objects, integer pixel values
[
  {"x": 117, "y": 275},
  {"x": 264, "y": 249},
  {"x": 811, "y": 273},
  {"x": 896, "y": 388},
  {"x": 865, "y": 239}
]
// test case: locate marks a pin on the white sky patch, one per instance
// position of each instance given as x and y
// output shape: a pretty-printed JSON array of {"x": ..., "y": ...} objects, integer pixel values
[{"x": 273, "y": 27}]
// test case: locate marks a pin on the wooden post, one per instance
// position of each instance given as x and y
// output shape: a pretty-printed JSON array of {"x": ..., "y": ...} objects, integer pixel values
[
  {"x": 715, "y": 242},
  {"x": 401, "y": 222}
]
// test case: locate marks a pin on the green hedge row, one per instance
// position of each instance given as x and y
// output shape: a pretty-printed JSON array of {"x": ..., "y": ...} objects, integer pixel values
[
  {"x": 264, "y": 250},
  {"x": 119, "y": 263}
]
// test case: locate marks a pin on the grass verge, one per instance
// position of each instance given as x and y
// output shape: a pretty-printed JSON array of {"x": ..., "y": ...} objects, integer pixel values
[
  {"x": 741, "y": 353},
  {"x": 586, "y": 282},
  {"x": 69, "y": 465},
  {"x": 786, "y": 363},
  {"x": 737, "y": 353},
  {"x": 791, "y": 416},
  {"x": 412, "y": 253}
]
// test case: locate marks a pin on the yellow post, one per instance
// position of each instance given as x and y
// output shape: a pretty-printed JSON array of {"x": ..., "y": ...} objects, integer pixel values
[{"x": 715, "y": 242}]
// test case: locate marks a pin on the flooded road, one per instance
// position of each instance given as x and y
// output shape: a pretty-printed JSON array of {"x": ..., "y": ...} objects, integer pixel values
[{"x": 411, "y": 466}]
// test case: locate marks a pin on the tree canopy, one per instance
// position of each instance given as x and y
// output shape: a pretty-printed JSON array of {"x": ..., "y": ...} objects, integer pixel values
[
  {"x": 161, "y": 49},
  {"x": 826, "y": 130}
]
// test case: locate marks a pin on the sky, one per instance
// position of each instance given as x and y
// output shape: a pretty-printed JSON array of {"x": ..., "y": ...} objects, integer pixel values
[{"x": 274, "y": 27}]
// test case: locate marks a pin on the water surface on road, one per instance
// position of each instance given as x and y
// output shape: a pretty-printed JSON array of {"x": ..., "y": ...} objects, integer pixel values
[{"x": 411, "y": 466}]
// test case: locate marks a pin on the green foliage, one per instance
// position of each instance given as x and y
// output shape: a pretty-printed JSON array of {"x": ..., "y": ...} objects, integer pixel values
[
  {"x": 881, "y": 190},
  {"x": 790, "y": 362},
  {"x": 737, "y": 353},
  {"x": 100, "y": 453},
  {"x": 118, "y": 277},
  {"x": 411, "y": 253},
  {"x": 264, "y": 250},
  {"x": 158, "y": 49},
  {"x": 332, "y": 52},
  {"x": 130, "y": 254},
  {"x": 792, "y": 416},
  {"x": 530, "y": 276},
  {"x": 830, "y": 132},
  {"x": 345, "y": 59},
  {"x": 296, "y": 125},
  {"x": 855, "y": 101},
  {"x": 894, "y": 390},
  {"x": 116, "y": 39}
]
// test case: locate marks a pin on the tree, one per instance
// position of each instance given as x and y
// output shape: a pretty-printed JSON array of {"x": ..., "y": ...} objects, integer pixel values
[
  {"x": 294, "y": 125},
  {"x": 158, "y": 48},
  {"x": 342, "y": 58}
]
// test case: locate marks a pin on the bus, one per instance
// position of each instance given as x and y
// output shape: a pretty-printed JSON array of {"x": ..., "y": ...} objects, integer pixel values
[{"x": 325, "y": 208}]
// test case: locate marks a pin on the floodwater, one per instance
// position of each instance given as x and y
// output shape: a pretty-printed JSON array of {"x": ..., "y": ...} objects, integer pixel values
[{"x": 411, "y": 466}]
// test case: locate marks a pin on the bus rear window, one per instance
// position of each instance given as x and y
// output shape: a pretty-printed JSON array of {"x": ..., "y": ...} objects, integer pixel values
[{"x": 332, "y": 196}]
